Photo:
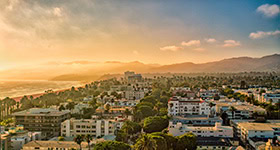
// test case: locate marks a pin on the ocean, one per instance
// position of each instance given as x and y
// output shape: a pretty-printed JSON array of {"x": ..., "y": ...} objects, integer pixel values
[{"x": 27, "y": 87}]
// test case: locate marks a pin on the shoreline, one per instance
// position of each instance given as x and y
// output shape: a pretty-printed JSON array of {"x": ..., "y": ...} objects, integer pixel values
[{"x": 35, "y": 95}]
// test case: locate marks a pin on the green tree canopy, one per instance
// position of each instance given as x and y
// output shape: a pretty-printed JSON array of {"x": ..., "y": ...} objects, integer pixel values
[
  {"x": 155, "y": 124},
  {"x": 112, "y": 145}
]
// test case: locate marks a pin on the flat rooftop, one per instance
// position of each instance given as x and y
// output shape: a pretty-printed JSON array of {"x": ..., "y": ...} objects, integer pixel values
[
  {"x": 55, "y": 144},
  {"x": 196, "y": 117},
  {"x": 41, "y": 112},
  {"x": 259, "y": 126}
]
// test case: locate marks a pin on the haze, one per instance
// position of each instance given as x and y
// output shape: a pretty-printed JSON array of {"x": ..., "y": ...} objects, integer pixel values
[{"x": 41, "y": 34}]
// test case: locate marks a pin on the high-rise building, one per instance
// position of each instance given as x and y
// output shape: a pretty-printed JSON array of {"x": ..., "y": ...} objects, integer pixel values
[{"x": 47, "y": 121}]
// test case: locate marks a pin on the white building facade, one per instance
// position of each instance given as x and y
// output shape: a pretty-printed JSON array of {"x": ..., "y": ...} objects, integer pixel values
[
  {"x": 218, "y": 130},
  {"x": 178, "y": 106}
]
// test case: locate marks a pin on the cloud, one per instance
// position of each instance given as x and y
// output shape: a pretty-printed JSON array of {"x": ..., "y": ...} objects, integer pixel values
[
  {"x": 135, "y": 52},
  {"x": 231, "y": 43},
  {"x": 191, "y": 43},
  {"x": 210, "y": 40},
  {"x": 171, "y": 48},
  {"x": 269, "y": 10},
  {"x": 199, "y": 49},
  {"x": 262, "y": 34},
  {"x": 57, "y": 12}
]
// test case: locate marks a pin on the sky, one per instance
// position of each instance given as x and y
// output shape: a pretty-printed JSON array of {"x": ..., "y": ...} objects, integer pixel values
[{"x": 149, "y": 31}]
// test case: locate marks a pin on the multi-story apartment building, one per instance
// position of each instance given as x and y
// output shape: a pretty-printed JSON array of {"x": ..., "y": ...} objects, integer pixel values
[
  {"x": 242, "y": 110},
  {"x": 218, "y": 130},
  {"x": 197, "y": 120},
  {"x": 46, "y": 121},
  {"x": 178, "y": 106},
  {"x": 249, "y": 130},
  {"x": 94, "y": 127}
]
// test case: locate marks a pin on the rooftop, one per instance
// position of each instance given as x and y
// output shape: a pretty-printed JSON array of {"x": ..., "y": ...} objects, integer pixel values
[
  {"x": 55, "y": 144},
  {"x": 259, "y": 126},
  {"x": 40, "y": 112},
  {"x": 213, "y": 141}
]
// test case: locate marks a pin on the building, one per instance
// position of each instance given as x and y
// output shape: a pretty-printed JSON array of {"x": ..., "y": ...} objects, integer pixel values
[
  {"x": 53, "y": 145},
  {"x": 207, "y": 94},
  {"x": 217, "y": 131},
  {"x": 242, "y": 110},
  {"x": 5, "y": 141},
  {"x": 182, "y": 91},
  {"x": 178, "y": 106},
  {"x": 270, "y": 97},
  {"x": 94, "y": 127},
  {"x": 132, "y": 77},
  {"x": 19, "y": 137},
  {"x": 123, "y": 103},
  {"x": 258, "y": 130},
  {"x": 216, "y": 143},
  {"x": 46, "y": 121},
  {"x": 197, "y": 120},
  {"x": 134, "y": 94}
]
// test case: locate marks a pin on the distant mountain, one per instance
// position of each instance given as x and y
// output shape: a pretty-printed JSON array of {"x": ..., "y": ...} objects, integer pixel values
[
  {"x": 239, "y": 64},
  {"x": 90, "y": 70}
]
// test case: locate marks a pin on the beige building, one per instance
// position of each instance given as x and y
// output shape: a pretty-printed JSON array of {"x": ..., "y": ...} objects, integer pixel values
[
  {"x": 47, "y": 121},
  {"x": 94, "y": 127},
  {"x": 258, "y": 130},
  {"x": 53, "y": 145}
]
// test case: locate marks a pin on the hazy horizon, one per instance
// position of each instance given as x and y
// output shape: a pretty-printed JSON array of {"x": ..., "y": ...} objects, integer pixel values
[{"x": 152, "y": 32}]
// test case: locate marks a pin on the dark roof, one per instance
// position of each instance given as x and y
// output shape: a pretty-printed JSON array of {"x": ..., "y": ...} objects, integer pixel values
[{"x": 213, "y": 141}]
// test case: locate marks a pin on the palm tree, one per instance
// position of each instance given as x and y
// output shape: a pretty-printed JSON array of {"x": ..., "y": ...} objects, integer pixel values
[
  {"x": 232, "y": 109},
  {"x": 127, "y": 112},
  {"x": 146, "y": 143},
  {"x": 88, "y": 138},
  {"x": 79, "y": 139}
]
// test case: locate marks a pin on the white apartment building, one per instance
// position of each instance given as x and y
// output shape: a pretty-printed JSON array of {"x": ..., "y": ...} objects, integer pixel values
[
  {"x": 178, "y": 106},
  {"x": 177, "y": 129},
  {"x": 258, "y": 130},
  {"x": 94, "y": 127}
]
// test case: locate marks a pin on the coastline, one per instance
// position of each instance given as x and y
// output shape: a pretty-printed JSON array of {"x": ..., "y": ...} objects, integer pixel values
[{"x": 18, "y": 97}]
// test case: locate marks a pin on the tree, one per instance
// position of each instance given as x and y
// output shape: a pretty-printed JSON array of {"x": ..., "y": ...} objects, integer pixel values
[
  {"x": 79, "y": 139},
  {"x": 187, "y": 141},
  {"x": 112, "y": 145},
  {"x": 163, "y": 112},
  {"x": 128, "y": 128},
  {"x": 146, "y": 142},
  {"x": 149, "y": 99},
  {"x": 127, "y": 112},
  {"x": 60, "y": 138},
  {"x": 107, "y": 107},
  {"x": 171, "y": 141},
  {"x": 232, "y": 109},
  {"x": 88, "y": 138},
  {"x": 61, "y": 107},
  {"x": 70, "y": 106},
  {"x": 155, "y": 124}
]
